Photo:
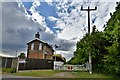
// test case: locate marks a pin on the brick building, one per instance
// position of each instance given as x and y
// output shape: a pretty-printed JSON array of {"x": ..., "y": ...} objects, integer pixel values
[{"x": 38, "y": 49}]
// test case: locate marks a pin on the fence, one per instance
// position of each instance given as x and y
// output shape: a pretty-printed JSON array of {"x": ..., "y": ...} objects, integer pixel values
[
  {"x": 6, "y": 62},
  {"x": 57, "y": 65},
  {"x": 10, "y": 62},
  {"x": 29, "y": 64},
  {"x": 33, "y": 64},
  {"x": 84, "y": 67}
]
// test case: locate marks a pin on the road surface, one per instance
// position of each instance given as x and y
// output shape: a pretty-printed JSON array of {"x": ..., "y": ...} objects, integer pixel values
[{"x": 14, "y": 77}]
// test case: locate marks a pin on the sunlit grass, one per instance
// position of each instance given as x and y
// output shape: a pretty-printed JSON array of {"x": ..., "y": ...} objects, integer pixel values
[
  {"x": 0, "y": 70},
  {"x": 87, "y": 75},
  {"x": 52, "y": 73},
  {"x": 38, "y": 73}
]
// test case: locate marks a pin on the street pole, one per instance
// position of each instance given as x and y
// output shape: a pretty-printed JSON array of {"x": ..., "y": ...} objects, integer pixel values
[
  {"x": 55, "y": 46},
  {"x": 55, "y": 57},
  {"x": 16, "y": 53},
  {"x": 55, "y": 54},
  {"x": 88, "y": 10}
]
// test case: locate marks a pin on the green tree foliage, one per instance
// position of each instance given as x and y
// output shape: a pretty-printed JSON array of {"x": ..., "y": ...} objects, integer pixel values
[
  {"x": 22, "y": 55},
  {"x": 103, "y": 46}
]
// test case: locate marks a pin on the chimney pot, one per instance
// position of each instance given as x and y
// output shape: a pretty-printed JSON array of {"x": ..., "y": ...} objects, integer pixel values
[{"x": 37, "y": 35}]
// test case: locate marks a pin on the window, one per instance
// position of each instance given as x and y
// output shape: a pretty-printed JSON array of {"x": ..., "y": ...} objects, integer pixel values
[
  {"x": 40, "y": 46},
  {"x": 32, "y": 46}
]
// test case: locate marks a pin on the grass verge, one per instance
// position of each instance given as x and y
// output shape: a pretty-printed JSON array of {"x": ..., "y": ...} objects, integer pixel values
[
  {"x": 87, "y": 75},
  {"x": 52, "y": 73},
  {"x": 38, "y": 73}
]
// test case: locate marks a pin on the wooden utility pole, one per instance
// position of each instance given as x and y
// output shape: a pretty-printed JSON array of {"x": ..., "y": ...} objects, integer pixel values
[
  {"x": 16, "y": 53},
  {"x": 88, "y": 10}
]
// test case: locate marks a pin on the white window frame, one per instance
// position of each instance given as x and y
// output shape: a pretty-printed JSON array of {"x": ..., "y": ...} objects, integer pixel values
[
  {"x": 40, "y": 46},
  {"x": 32, "y": 46}
]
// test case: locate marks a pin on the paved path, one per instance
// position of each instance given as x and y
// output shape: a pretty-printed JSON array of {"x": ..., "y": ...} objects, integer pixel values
[
  {"x": 64, "y": 75},
  {"x": 57, "y": 76},
  {"x": 14, "y": 76}
]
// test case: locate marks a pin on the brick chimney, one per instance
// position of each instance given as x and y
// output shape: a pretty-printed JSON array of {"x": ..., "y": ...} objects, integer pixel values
[{"x": 37, "y": 35}]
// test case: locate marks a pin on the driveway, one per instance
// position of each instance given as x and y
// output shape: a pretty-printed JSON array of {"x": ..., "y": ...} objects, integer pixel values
[{"x": 64, "y": 75}]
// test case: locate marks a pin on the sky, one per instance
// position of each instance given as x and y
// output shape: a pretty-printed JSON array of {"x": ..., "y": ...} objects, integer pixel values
[{"x": 59, "y": 22}]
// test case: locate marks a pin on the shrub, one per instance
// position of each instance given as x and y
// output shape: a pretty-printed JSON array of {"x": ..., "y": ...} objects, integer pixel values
[{"x": 9, "y": 70}]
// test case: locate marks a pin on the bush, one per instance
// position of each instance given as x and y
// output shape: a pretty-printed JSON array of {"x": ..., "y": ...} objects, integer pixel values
[{"x": 9, "y": 70}]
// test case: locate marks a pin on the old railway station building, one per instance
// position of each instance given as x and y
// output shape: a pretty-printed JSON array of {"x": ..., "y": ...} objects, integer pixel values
[{"x": 38, "y": 49}]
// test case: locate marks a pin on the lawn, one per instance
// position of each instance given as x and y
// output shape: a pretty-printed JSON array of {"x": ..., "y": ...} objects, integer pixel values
[
  {"x": 61, "y": 74},
  {"x": 0, "y": 70},
  {"x": 38, "y": 73},
  {"x": 87, "y": 75}
]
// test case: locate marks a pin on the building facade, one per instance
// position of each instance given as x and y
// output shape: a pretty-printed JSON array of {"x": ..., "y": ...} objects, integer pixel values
[{"x": 38, "y": 49}]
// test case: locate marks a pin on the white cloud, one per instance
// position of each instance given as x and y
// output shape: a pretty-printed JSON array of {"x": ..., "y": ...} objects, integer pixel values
[
  {"x": 21, "y": 29},
  {"x": 36, "y": 3},
  {"x": 51, "y": 18},
  {"x": 103, "y": 14},
  {"x": 68, "y": 54},
  {"x": 60, "y": 24},
  {"x": 38, "y": 18},
  {"x": 76, "y": 19},
  {"x": 74, "y": 22},
  {"x": 16, "y": 28},
  {"x": 5, "y": 55},
  {"x": 48, "y": 2},
  {"x": 71, "y": 24},
  {"x": 71, "y": 33},
  {"x": 0, "y": 27}
]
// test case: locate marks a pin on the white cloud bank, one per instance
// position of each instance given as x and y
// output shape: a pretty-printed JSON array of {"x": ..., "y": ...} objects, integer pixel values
[
  {"x": 17, "y": 30},
  {"x": 73, "y": 24}
]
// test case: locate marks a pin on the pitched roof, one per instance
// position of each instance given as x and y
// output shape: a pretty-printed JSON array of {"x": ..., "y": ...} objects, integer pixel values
[
  {"x": 59, "y": 56},
  {"x": 41, "y": 42},
  {"x": 37, "y": 40}
]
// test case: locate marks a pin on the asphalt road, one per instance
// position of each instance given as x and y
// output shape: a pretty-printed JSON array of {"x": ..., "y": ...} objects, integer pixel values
[{"x": 14, "y": 77}]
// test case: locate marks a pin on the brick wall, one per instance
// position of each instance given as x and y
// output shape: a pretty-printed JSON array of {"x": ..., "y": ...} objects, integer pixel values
[
  {"x": 39, "y": 53},
  {"x": 36, "y": 54},
  {"x": 48, "y": 56}
]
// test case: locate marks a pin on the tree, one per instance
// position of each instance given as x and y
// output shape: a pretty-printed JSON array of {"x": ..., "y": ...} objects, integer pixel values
[
  {"x": 104, "y": 47},
  {"x": 22, "y": 56}
]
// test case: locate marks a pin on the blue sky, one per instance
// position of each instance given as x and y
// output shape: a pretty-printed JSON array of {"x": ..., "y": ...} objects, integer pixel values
[
  {"x": 45, "y": 10},
  {"x": 61, "y": 23}
]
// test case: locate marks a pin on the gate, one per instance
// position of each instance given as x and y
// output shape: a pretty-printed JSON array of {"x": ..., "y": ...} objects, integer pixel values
[{"x": 84, "y": 67}]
